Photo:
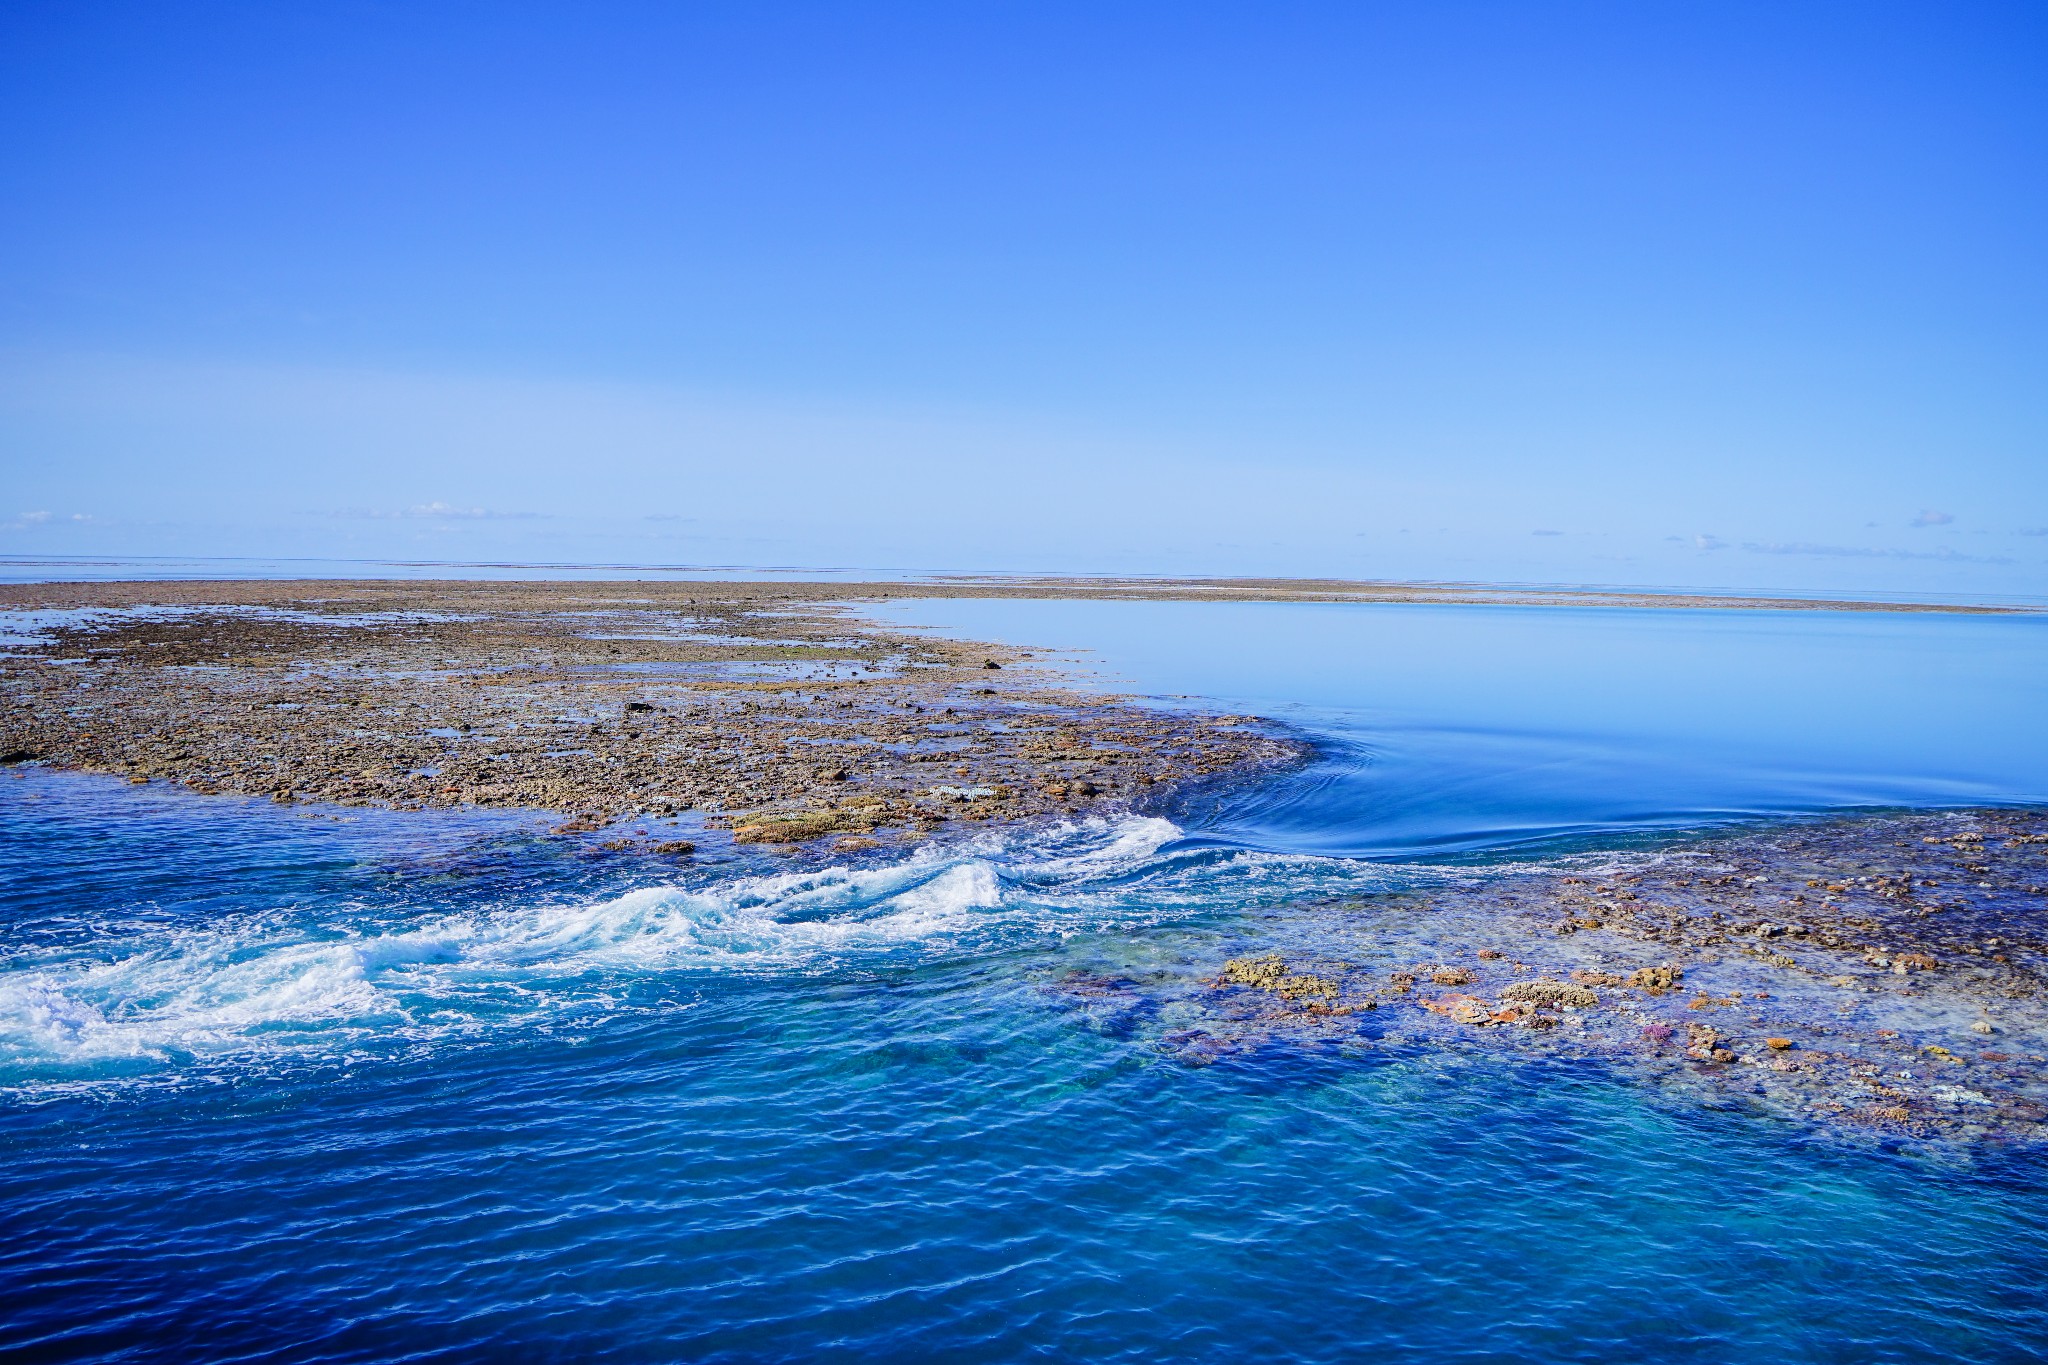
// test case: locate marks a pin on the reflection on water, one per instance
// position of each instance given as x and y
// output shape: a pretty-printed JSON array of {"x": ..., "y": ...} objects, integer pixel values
[{"x": 1467, "y": 727}]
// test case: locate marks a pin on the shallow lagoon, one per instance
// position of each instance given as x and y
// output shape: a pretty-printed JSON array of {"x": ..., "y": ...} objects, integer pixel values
[
  {"x": 384, "y": 1088},
  {"x": 1471, "y": 727}
]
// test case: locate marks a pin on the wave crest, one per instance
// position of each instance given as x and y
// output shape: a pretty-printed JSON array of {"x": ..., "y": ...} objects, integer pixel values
[{"x": 278, "y": 983}]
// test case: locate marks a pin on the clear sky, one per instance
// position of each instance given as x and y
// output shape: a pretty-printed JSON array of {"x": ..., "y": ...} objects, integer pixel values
[{"x": 1738, "y": 294}]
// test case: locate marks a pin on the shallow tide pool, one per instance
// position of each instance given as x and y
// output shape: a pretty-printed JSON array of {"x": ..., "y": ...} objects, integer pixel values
[{"x": 280, "y": 1083}]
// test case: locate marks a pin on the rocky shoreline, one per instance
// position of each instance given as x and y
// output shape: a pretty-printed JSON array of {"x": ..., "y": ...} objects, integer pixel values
[
  {"x": 772, "y": 711},
  {"x": 1882, "y": 975}
]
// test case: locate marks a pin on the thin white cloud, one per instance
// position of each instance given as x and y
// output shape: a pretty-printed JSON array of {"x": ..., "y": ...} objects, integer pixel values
[
  {"x": 1863, "y": 552},
  {"x": 439, "y": 511},
  {"x": 22, "y": 521},
  {"x": 1929, "y": 517}
]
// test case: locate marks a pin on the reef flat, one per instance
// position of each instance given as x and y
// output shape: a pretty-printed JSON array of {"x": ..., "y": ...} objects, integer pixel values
[
  {"x": 770, "y": 710},
  {"x": 1140, "y": 589},
  {"x": 1881, "y": 973}
]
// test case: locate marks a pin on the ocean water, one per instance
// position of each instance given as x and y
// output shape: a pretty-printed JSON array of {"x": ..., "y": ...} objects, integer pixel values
[
  {"x": 1476, "y": 728},
  {"x": 292, "y": 1084}
]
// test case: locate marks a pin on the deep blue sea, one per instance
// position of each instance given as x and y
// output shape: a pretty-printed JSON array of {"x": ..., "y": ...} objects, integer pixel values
[{"x": 283, "y": 1083}]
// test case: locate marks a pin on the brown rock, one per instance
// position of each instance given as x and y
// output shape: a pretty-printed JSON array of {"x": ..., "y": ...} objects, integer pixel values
[{"x": 1463, "y": 1009}]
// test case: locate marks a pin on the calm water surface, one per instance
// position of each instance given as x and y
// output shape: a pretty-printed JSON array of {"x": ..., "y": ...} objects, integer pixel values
[
  {"x": 284, "y": 1086},
  {"x": 1476, "y": 727}
]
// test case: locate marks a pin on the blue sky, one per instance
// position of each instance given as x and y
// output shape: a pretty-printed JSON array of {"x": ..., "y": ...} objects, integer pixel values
[{"x": 1746, "y": 295}]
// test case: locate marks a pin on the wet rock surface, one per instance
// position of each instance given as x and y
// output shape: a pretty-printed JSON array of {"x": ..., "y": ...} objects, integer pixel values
[
  {"x": 771, "y": 710},
  {"x": 1879, "y": 977}
]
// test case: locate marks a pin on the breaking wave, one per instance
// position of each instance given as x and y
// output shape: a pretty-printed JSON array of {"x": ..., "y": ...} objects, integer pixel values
[
  {"x": 289, "y": 982},
  {"x": 285, "y": 981}
]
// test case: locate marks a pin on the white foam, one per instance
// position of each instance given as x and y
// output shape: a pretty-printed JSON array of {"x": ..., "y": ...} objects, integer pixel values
[
  {"x": 282, "y": 983},
  {"x": 279, "y": 982},
  {"x": 1106, "y": 846}
]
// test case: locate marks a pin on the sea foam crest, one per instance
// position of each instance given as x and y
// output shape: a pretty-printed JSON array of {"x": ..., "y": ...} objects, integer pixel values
[{"x": 277, "y": 982}]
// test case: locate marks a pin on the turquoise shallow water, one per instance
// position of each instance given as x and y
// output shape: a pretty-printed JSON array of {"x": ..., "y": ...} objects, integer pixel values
[{"x": 284, "y": 1086}]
